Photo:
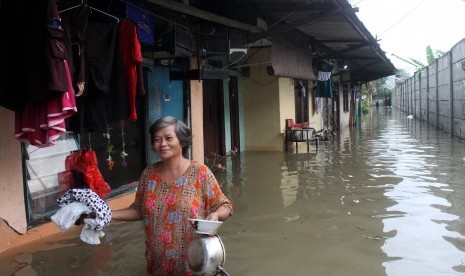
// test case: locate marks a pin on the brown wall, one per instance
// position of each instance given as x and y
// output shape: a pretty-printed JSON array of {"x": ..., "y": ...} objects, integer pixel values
[{"x": 12, "y": 207}]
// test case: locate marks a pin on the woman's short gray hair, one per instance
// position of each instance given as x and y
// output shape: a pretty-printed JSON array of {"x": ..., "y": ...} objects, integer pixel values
[{"x": 180, "y": 128}]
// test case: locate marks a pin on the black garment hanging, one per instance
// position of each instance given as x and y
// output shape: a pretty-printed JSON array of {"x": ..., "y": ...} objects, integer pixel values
[
  {"x": 105, "y": 99},
  {"x": 24, "y": 28},
  {"x": 85, "y": 5},
  {"x": 98, "y": 64}
]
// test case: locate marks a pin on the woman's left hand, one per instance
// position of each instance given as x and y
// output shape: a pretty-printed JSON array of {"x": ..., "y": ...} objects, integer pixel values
[
  {"x": 221, "y": 214},
  {"x": 213, "y": 216}
]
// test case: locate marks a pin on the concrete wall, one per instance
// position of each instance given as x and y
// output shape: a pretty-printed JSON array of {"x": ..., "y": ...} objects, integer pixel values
[
  {"x": 286, "y": 102},
  {"x": 261, "y": 106},
  {"x": 266, "y": 103},
  {"x": 436, "y": 93}
]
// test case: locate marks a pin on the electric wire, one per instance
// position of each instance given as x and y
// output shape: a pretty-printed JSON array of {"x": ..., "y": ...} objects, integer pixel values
[{"x": 402, "y": 18}]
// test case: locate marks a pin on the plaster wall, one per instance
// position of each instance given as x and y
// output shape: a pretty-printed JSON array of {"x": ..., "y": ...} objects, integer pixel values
[
  {"x": 286, "y": 102},
  {"x": 12, "y": 206},
  {"x": 262, "y": 119}
]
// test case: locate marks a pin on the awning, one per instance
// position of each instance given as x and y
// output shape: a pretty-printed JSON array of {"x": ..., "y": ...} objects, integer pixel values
[{"x": 289, "y": 59}]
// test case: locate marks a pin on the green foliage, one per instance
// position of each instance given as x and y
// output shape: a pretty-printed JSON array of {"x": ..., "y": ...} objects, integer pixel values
[
  {"x": 383, "y": 90},
  {"x": 401, "y": 73},
  {"x": 430, "y": 55},
  {"x": 365, "y": 107},
  {"x": 439, "y": 53}
]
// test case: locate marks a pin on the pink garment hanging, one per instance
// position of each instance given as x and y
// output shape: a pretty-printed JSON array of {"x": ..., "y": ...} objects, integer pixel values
[{"x": 42, "y": 124}]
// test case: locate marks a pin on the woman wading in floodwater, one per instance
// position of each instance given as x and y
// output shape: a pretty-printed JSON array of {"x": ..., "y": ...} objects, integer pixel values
[{"x": 171, "y": 192}]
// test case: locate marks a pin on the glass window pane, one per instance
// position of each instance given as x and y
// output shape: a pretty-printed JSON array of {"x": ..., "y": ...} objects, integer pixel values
[{"x": 43, "y": 167}]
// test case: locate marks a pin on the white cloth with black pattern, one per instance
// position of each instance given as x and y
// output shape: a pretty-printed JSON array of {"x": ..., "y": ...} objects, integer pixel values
[{"x": 92, "y": 229}]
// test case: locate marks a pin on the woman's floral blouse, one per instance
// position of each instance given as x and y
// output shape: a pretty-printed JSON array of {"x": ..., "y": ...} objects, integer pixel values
[{"x": 166, "y": 208}]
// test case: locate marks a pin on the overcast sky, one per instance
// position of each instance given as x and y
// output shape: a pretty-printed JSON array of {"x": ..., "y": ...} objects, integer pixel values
[{"x": 407, "y": 27}]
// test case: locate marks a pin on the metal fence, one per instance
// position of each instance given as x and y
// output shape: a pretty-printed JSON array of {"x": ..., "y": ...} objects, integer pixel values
[{"x": 436, "y": 93}]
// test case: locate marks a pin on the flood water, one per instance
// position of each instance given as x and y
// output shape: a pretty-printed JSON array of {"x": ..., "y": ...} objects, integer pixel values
[{"x": 384, "y": 198}]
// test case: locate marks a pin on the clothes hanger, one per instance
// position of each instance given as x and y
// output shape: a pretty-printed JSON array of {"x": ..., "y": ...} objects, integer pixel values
[
  {"x": 71, "y": 8},
  {"x": 92, "y": 8}
]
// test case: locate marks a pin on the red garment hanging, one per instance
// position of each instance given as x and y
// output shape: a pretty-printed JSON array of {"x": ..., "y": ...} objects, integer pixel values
[
  {"x": 132, "y": 56},
  {"x": 85, "y": 162}
]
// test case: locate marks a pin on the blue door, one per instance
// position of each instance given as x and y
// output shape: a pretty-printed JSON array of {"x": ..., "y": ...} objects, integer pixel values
[
  {"x": 170, "y": 93},
  {"x": 164, "y": 97}
]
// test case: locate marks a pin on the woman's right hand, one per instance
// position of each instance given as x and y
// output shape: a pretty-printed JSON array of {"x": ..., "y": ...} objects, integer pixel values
[{"x": 127, "y": 214}]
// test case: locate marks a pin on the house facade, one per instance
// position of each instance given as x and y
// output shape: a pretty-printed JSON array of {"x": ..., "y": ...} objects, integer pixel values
[{"x": 234, "y": 74}]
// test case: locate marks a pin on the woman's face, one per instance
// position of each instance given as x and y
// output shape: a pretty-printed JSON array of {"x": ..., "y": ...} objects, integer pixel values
[{"x": 166, "y": 143}]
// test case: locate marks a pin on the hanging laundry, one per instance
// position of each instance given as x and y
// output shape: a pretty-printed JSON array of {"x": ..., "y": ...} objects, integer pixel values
[
  {"x": 41, "y": 124},
  {"x": 85, "y": 162},
  {"x": 75, "y": 28},
  {"x": 105, "y": 97},
  {"x": 26, "y": 55},
  {"x": 324, "y": 86},
  {"x": 318, "y": 105},
  {"x": 132, "y": 56}
]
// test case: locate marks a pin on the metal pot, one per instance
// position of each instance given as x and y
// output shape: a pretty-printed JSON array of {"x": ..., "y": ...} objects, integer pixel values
[{"x": 206, "y": 256}]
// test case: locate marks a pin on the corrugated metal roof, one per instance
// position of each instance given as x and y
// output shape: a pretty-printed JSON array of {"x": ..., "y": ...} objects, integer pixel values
[
  {"x": 331, "y": 28},
  {"x": 334, "y": 31}
]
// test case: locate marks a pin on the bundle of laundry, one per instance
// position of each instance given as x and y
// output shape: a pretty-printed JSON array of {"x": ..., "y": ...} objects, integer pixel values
[{"x": 83, "y": 205}]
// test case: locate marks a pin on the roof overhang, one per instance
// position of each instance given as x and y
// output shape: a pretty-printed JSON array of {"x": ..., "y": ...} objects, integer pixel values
[{"x": 331, "y": 29}]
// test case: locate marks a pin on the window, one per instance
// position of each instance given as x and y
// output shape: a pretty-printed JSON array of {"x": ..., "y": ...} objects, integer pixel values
[
  {"x": 121, "y": 158},
  {"x": 42, "y": 169}
]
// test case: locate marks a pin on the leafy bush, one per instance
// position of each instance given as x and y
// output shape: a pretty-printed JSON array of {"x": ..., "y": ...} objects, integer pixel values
[{"x": 365, "y": 107}]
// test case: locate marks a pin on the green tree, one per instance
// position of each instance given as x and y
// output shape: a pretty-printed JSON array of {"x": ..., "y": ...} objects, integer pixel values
[
  {"x": 402, "y": 75},
  {"x": 432, "y": 56},
  {"x": 383, "y": 89}
]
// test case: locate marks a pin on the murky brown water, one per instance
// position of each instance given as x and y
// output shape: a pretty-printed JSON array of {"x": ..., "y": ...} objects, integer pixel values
[{"x": 386, "y": 198}]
